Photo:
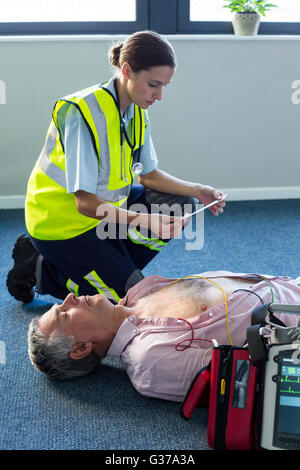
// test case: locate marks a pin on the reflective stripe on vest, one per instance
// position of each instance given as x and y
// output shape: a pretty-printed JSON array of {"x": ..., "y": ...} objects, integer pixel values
[
  {"x": 59, "y": 176},
  {"x": 101, "y": 287},
  {"x": 152, "y": 243},
  {"x": 97, "y": 107},
  {"x": 50, "y": 211},
  {"x": 86, "y": 101},
  {"x": 73, "y": 287},
  {"x": 50, "y": 169}
]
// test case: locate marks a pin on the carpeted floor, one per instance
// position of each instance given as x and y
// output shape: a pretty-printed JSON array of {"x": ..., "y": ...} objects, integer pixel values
[{"x": 103, "y": 411}]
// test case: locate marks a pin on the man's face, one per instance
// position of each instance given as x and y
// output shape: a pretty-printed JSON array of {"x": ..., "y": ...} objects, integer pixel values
[
  {"x": 81, "y": 317},
  {"x": 145, "y": 87}
]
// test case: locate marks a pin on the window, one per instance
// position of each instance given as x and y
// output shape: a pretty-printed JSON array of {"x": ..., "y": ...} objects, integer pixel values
[
  {"x": 127, "y": 16},
  {"x": 210, "y": 16},
  {"x": 72, "y": 16},
  {"x": 212, "y": 10},
  {"x": 74, "y": 10}
]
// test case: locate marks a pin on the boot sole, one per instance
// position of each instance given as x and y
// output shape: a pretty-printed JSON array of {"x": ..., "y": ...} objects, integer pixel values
[{"x": 25, "y": 296}]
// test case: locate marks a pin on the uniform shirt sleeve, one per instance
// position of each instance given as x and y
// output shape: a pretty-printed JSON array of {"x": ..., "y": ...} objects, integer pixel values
[
  {"x": 148, "y": 154},
  {"x": 81, "y": 158}
]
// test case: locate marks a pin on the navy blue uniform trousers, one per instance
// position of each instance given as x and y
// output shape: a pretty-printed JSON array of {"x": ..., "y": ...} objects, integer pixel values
[{"x": 87, "y": 264}]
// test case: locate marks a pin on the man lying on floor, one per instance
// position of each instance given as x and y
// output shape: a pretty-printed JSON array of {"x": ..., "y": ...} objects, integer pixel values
[{"x": 151, "y": 328}]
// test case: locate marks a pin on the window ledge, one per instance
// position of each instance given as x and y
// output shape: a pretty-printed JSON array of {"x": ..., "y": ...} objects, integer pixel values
[
  {"x": 172, "y": 37},
  {"x": 233, "y": 37}
]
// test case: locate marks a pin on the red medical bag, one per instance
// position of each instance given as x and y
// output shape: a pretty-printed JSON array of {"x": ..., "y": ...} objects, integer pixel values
[{"x": 228, "y": 387}]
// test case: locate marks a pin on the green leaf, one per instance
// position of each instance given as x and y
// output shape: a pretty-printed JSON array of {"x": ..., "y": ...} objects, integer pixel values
[{"x": 249, "y": 6}]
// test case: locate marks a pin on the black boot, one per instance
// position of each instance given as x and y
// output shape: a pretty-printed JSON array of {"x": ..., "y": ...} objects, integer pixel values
[{"x": 21, "y": 278}]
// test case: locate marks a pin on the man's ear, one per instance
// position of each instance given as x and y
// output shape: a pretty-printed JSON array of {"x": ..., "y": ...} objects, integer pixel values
[{"x": 80, "y": 350}]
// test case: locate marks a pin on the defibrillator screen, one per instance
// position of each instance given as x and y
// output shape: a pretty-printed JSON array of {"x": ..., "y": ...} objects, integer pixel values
[{"x": 287, "y": 411}]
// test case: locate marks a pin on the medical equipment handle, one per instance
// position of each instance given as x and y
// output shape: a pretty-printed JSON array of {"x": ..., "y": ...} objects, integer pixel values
[{"x": 282, "y": 308}]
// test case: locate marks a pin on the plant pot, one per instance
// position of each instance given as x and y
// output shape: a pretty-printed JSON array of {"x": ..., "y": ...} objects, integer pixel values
[{"x": 246, "y": 24}]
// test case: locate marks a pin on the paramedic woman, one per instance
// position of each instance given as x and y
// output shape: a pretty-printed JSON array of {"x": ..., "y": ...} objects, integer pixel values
[{"x": 98, "y": 139}]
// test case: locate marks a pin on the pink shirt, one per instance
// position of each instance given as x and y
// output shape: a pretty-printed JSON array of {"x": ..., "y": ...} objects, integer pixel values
[{"x": 147, "y": 345}]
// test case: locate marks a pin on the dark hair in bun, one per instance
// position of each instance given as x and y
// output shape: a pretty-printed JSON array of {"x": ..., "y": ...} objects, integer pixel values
[
  {"x": 114, "y": 53},
  {"x": 143, "y": 50}
]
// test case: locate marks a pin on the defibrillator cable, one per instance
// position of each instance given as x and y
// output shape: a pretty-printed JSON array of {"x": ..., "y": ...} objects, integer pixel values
[
  {"x": 223, "y": 292},
  {"x": 226, "y": 308},
  {"x": 251, "y": 292},
  {"x": 269, "y": 284},
  {"x": 189, "y": 339}
]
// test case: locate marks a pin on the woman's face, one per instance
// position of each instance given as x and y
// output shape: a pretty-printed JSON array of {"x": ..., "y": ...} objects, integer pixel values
[{"x": 146, "y": 87}]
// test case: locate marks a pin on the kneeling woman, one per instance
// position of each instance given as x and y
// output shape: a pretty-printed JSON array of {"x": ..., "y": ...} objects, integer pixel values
[{"x": 98, "y": 140}]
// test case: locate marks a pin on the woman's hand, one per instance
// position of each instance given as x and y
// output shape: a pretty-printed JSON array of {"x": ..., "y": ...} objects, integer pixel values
[
  {"x": 207, "y": 194},
  {"x": 163, "y": 226}
]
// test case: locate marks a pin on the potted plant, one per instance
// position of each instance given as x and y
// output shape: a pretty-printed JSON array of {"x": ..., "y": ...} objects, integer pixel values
[{"x": 246, "y": 19}]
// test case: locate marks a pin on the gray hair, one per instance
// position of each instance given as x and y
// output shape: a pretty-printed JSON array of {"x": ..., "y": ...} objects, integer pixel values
[{"x": 52, "y": 356}]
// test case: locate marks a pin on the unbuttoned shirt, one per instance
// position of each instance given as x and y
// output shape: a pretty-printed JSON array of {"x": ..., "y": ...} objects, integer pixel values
[
  {"x": 147, "y": 346},
  {"x": 81, "y": 159}
]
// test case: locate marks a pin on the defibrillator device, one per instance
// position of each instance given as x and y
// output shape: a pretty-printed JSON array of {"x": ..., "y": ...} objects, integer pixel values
[
  {"x": 253, "y": 393},
  {"x": 278, "y": 355}
]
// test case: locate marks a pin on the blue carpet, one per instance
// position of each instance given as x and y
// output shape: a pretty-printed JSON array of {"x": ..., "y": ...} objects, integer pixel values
[{"x": 103, "y": 411}]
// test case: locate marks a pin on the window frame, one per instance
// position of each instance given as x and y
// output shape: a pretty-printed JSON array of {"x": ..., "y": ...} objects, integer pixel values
[
  {"x": 162, "y": 16},
  {"x": 80, "y": 27},
  {"x": 185, "y": 26}
]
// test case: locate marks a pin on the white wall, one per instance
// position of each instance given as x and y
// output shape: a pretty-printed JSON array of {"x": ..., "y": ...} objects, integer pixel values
[{"x": 230, "y": 118}]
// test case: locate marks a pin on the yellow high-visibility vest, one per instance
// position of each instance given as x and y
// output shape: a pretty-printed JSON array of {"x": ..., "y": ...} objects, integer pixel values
[{"x": 50, "y": 211}]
